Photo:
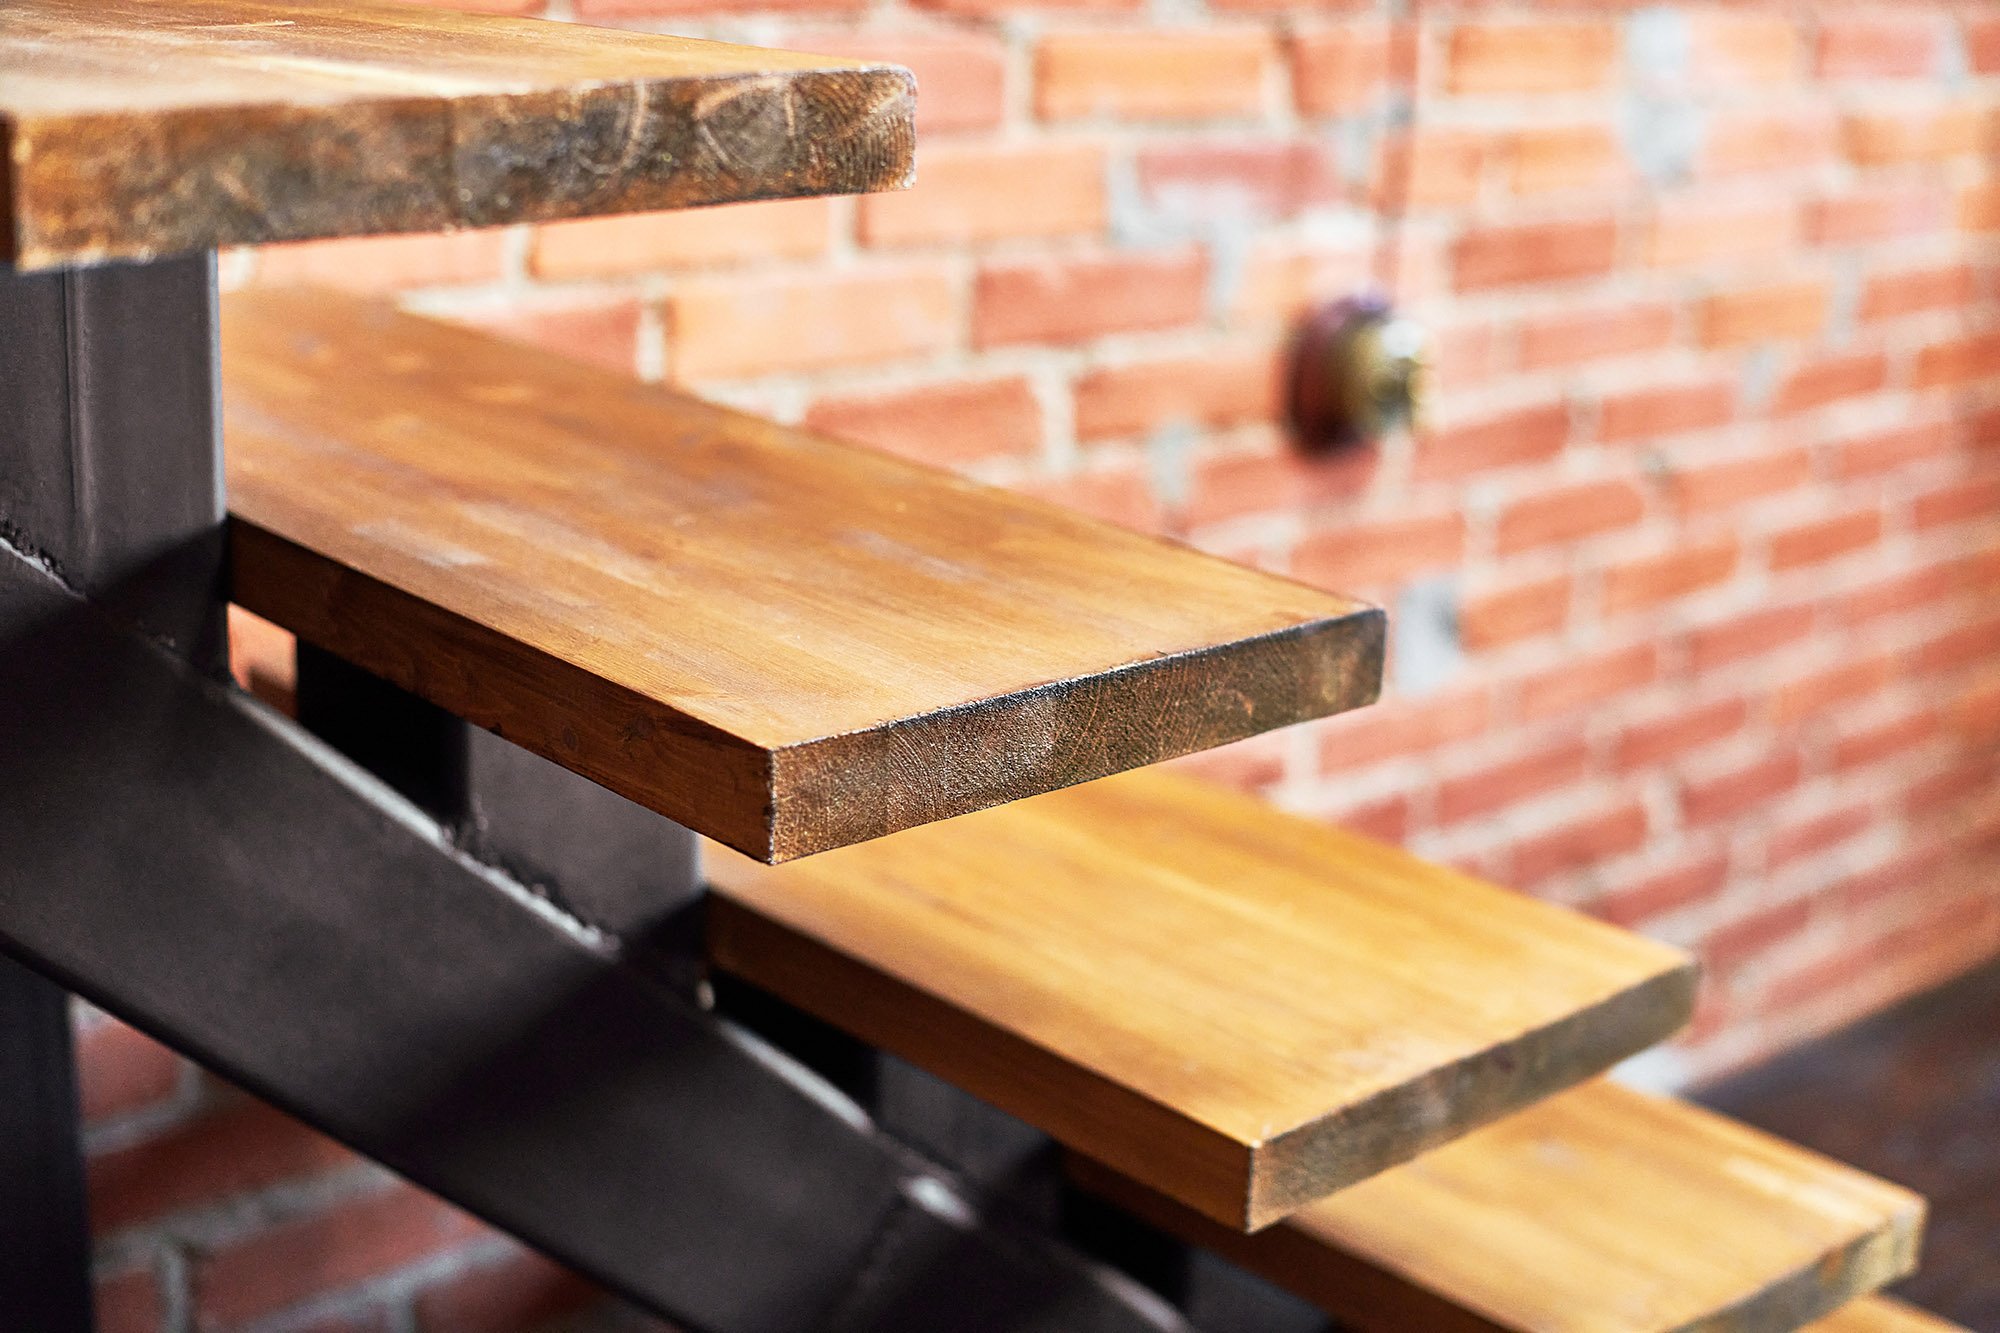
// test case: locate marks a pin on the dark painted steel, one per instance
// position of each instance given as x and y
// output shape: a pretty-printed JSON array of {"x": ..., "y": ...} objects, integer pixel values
[
  {"x": 112, "y": 457},
  {"x": 44, "y": 1233}
]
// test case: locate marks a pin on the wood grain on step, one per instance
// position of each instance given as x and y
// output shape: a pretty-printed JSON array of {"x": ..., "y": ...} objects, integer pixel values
[
  {"x": 1602, "y": 1210},
  {"x": 1245, "y": 1009},
  {"x": 1880, "y": 1314},
  {"x": 783, "y": 642},
  {"x": 137, "y": 128}
]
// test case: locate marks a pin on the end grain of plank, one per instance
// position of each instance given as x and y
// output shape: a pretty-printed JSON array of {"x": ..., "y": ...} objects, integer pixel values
[
  {"x": 1245, "y": 1009},
  {"x": 140, "y": 128},
  {"x": 1601, "y": 1210},
  {"x": 783, "y": 642}
]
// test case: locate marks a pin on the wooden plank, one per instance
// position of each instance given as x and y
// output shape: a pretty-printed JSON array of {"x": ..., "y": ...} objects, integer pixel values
[
  {"x": 1602, "y": 1210},
  {"x": 138, "y": 128},
  {"x": 782, "y": 642},
  {"x": 1880, "y": 1314},
  {"x": 1244, "y": 1009}
]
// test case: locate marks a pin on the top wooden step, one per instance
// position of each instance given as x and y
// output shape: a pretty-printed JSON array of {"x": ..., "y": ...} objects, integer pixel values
[
  {"x": 139, "y": 128},
  {"x": 1879, "y": 1314},
  {"x": 785, "y": 643}
]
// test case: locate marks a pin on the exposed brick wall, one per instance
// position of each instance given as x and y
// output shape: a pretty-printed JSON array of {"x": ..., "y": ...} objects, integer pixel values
[{"x": 1697, "y": 555}]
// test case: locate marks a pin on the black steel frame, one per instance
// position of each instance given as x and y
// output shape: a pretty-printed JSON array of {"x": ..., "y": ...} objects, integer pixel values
[{"x": 461, "y": 960}]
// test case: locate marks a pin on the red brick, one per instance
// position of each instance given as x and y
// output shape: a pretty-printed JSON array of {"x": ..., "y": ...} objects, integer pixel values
[
  {"x": 1118, "y": 493},
  {"x": 687, "y": 238},
  {"x": 1340, "y": 69},
  {"x": 1379, "y": 553},
  {"x": 264, "y": 660},
  {"x": 1285, "y": 277},
  {"x": 1975, "y": 716},
  {"x": 1224, "y": 389},
  {"x": 235, "y": 1149},
  {"x": 1718, "y": 487},
  {"x": 1236, "y": 179},
  {"x": 1745, "y": 50},
  {"x": 1958, "y": 362},
  {"x": 1659, "y": 739},
  {"x": 120, "y": 1070},
  {"x": 129, "y": 1302},
  {"x": 603, "y": 332},
  {"x": 1248, "y": 765},
  {"x": 1387, "y": 819},
  {"x": 1730, "y": 946},
  {"x": 1579, "y": 843},
  {"x": 1808, "y": 696},
  {"x": 1895, "y": 138},
  {"x": 1074, "y": 300},
  {"x": 1825, "y": 539},
  {"x": 1982, "y": 43},
  {"x": 998, "y": 9},
  {"x": 1565, "y": 157},
  {"x": 1398, "y": 727},
  {"x": 1979, "y": 207},
  {"x": 1761, "y": 314},
  {"x": 1512, "y": 256},
  {"x": 1274, "y": 477},
  {"x": 1153, "y": 74},
  {"x": 1875, "y": 213},
  {"x": 1574, "y": 336},
  {"x": 377, "y": 264},
  {"x": 1647, "y": 581},
  {"x": 1697, "y": 880},
  {"x": 1735, "y": 794},
  {"x": 1960, "y": 648},
  {"x": 1960, "y": 502},
  {"x": 1646, "y": 413},
  {"x": 604, "y": 10},
  {"x": 723, "y": 329},
  {"x": 522, "y": 1291},
  {"x": 281, "y": 1265},
  {"x": 1727, "y": 642},
  {"x": 1860, "y": 746},
  {"x": 1511, "y": 439},
  {"x": 961, "y": 74},
  {"x": 1583, "y": 681},
  {"x": 1872, "y": 47},
  {"x": 1766, "y": 142},
  {"x": 955, "y": 423},
  {"x": 1701, "y": 230},
  {"x": 1886, "y": 450},
  {"x": 1808, "y": 837},
  {"x": 1829, "y": 380},
  {"x": 1896, "y": 595},
  {"x": 1512, "y": 782},
  {"x": 1498, "y": 617},
  {"x": 1432, "y": 167},
  {"x": 1568, "y": 514},
  {"x": 1531, "y": 57},
  {"x": 980, "y": 192},
  {"x": 1915, "y": 291}
]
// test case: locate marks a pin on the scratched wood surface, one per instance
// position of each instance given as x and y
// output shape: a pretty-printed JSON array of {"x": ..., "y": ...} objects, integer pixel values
[
  {"x": 1880, "y": 1314},
  {"x": 783, "y": 642},
  {"x": 137, "y": 128},
  {"x": 1245, "y": 1009},
  {"x": 1602, "y": 1210}
]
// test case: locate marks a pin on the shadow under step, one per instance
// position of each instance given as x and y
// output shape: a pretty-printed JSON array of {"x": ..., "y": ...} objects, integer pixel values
[
  {"x": 1601, "y": 1210},
  {"x": 146, "y": 129},
  {"x": 785, "y": 643},
  {"x": 1243, "y": 1009}
]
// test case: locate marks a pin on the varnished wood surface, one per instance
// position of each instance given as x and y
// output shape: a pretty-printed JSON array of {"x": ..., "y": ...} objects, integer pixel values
[
  {"x": 1880, "y": 1314},
  {"x": 785, "y": 643},
  {"x": 1244, "y": 1009},
  {"x": 138, "y": 128},
  {"x": 1602, "y": 1210}
]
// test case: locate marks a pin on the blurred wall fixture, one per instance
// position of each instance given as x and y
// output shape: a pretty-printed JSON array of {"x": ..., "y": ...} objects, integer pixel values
[{"x": 1357, "y": 373}]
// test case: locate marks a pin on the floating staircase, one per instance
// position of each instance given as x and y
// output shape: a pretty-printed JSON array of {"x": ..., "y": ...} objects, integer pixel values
[{"x": 543, "y": 608}]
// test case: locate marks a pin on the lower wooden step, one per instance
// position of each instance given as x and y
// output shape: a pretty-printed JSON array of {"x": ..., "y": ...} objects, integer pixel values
[
  {"x": 1602, "y": 1210},
  {"x": 1879, "y": 1314},
  {"x": 1243, "y": 1009}
]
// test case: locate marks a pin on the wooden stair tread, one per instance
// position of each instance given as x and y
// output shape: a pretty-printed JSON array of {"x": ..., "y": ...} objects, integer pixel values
[
  {"x": 1880, "y": 1314},
  {"x": 783, "y": 642},
  {"x": 1245, "y": 1009},
  {"x": 148, "y": 127},
  {"x": 1602, "y": 1210}
]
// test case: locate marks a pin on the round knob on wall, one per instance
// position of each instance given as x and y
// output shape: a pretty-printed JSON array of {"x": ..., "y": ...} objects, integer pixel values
[{"x": 1357, "y": 372}]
